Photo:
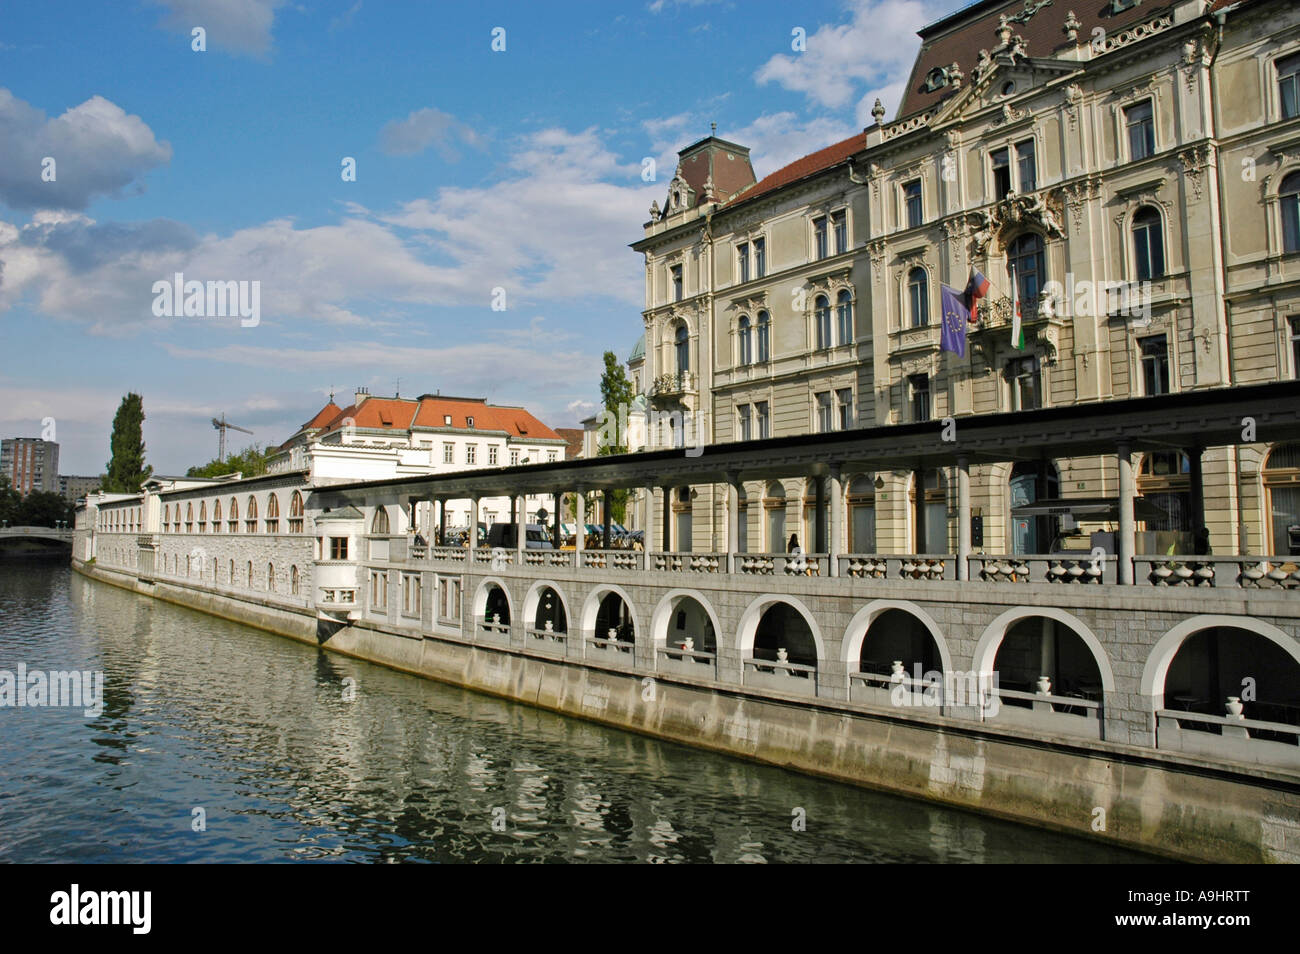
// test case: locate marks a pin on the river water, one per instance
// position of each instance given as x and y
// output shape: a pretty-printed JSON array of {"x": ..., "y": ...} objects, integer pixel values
[{"x": 257, "y": 733}]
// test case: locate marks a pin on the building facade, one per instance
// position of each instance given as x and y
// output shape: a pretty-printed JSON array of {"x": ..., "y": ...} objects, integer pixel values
[
  {"x": 31, "y": 464},
  {"x": 1136, "y": 168}
]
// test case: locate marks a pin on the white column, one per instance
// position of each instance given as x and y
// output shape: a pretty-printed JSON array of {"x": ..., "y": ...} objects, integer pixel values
[
  {"x": 649, "y": 521},
  {"x": 473, "y": 526},
  {"x": 835, "y": 484},
  {"x": 580, "y": 535},
  {"x": 733, "y": 519},
  {"x": 1126, "y": 542},
  {"x": 963, "y": 518},
  {"x": 521, "y": 530}
]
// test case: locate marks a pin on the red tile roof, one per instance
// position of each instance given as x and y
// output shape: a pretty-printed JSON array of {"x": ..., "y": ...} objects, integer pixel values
[
  {"x": 401, "y": 414},
  {"x": 323, "y": 416},
  {"x": 802, "y": 168},
  {"x": 573, "y": 436}
]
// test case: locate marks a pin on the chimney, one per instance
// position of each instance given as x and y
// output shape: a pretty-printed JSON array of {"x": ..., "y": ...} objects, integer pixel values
[{"x": 361, "y": 395}]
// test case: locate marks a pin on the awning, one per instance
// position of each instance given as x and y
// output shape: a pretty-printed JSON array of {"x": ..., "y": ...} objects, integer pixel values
[{"x": 1088, "y": 508}]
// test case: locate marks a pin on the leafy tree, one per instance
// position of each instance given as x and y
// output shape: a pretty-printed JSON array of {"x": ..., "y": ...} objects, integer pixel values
[
  {"x": 43, "y": 508},
  {"x": 127, "y": 469},
  {"x": 251, "y": 462},
  {"x": 10, "y": 502},
  {"x": 616, "y": 396}
]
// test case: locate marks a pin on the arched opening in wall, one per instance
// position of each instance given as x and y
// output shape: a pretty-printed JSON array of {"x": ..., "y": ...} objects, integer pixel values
[
  {"x": 189, "y": 518},
  {"x": 897, "y": 635},
  {"x": 862, "y": 514},
  {"x": 272, "y": 514},
  {"x": 203, "y": 516},
  {"x": 1038, "y": 646},
  {"x": 293, "y": 580},
  {"x": 1030, "y": 483},
  {"x": 232, "y": 522},
  {"x": 295, "y": 513},
  {"x": 1282, "y": 498},
  {"x": 815, "y": 516},
  {"x": 785, "y": 636},
  {"x": 380, "y": 524},
  {"x": 497, "y": 609},
  {"x": 682, "y": 517},
  {"x": 682, "y": 349},
  {"x": 550, "y": 615},
  {"x": 167, "y": 518},
  {"x": 250, "y": 518},
  {"x": 231, "y": 578},
  {"x": 774, "y": 513},
  {"x": 250, "y": 574},
  {"x": 189, "y": 570},
  {"x": 216, "y": 516},
  {"x": 1219, "y": 664},
  {"x": 614, "y": 614},
  {"x": 689, "y": 627},
  {"x": 929, "y": 511},
  {"x": 270, "y": 578},
  {"x": 1164, "y": 481}
]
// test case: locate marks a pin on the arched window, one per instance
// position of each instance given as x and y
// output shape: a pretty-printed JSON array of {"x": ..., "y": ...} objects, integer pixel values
[
  {"x": 746, "y": 340},
  {"x": 272, "y": 514},
  {"x": 844, "y": 317},
  {"x": 918, "y": 296},
  {"x": 822, "y": 318},
  {"x": 764, "y": 337},
  {"x": 189, "y": 518},
  {"x": 1025, "y": 258},
  {"x": 1148, "y": 244},
  {"x": 293, "y": 580},
  {"x": 250, "y": 522},
  {"x": 270, "y": 578},
  {"x": 295, "y": 513},
  {"x": 216, "y": 516},
  {"x": 232, "y": 572},
  {"x": 380, "y": 523},
  {"x": 232, "y": 522},
  {"x": 167, "y": 517},
  {"x": 683, "y": 349},
  {"x": 203, "y": 516},
  {"x": 1289, "y": 193}
]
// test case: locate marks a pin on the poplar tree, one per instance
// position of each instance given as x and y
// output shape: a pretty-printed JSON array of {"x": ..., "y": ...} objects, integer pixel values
[
  {"x": 127, "y": 469},
  {"x": 616, "y": 395}
]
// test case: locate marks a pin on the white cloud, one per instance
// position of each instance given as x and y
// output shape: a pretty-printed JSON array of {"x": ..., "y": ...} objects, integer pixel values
[
  {"x": 424, "y": 128},
  {"x": 96, "y": 148},
  {"x": 241, "y": 26},
  {"x": 857, "y": 61}
]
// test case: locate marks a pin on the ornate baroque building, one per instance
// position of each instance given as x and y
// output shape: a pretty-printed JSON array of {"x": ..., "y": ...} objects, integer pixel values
[{"x": 1135, "y": 166}]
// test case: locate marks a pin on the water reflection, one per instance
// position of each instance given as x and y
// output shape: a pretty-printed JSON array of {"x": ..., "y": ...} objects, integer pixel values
[{"x": 289, "y": 764}]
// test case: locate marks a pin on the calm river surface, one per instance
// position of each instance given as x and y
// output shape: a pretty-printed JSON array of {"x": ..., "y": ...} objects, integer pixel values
[{"x": 255, "y": 730}]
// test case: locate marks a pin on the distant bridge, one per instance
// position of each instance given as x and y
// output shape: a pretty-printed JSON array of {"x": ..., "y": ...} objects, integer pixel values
[{"x": 36, "y": 533}]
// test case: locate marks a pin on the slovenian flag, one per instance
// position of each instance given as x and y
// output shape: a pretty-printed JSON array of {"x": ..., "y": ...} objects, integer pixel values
[
  {"x": 976, "y": 288},
  {"x": 1017, "y": 329}
]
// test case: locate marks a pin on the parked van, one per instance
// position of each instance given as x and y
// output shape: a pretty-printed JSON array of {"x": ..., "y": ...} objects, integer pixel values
[{"x": 535, "y": 536}]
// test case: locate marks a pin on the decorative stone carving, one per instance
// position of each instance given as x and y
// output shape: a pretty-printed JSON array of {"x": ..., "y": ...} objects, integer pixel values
[
  {"x": 1029, "y": 10},
  {"x": 878, "y": 112},
  {"x": 1004, "y": 31},
  {"x": 1073, "y": 97},
  {"x": 654, "y": 210},
  {"x": 1195, "y": 160},
  {"x": 1077, "y": 195},
  {"x": 955, "y": 76},
  {"x": 1013, "y": 212},
  {"x": 1019, "y": 48},
  {"x": 982, "y": 65},
  {"x": 1071, "y": 27},
  {"x": 876, "y": 251}
]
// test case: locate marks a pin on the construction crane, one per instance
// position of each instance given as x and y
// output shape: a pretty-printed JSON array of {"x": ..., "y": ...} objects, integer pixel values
[{"x": 222, "y": 427}]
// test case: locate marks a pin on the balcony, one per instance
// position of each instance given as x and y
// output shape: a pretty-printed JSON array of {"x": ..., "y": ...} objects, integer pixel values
[{"x": 676, "y": 384}]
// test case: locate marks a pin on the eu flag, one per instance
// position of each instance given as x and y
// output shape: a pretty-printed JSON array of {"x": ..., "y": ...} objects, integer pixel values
[{"x": 952, "y": 336}]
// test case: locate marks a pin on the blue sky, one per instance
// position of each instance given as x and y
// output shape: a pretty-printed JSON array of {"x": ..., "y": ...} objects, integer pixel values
[{"x": 476, "y": 169}]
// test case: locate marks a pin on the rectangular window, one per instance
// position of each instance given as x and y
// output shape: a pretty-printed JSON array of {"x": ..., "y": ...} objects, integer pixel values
[
  {"x": 449, "y": 598},
  {"x": 764, "y": 420},
  {"x": 1155, "y": 365},
  {"x": 745, "y": 414},
  {"x": 1001, "y": 173},
  {"x": 448, "y": 453},
  {"x": 675, "y": 276},
  {"x": 839, "y": 225},
  {"x": 551, "y": 456},
  {"x": 1022, "y": 373},
  {"x": 912, "y": 202},
  {"x": 919, "y": 385},
  {"x": 1288, "y": 86},
  {"x": 492, "y": 454},
  {"x": 742, "y": 263},
  {"x": 471, "y": 453},
  {"x": 819, "y": 237},
  {"x": 410, "y": 594},
  {"x": 844, "y": 400},
  {"x": 1295, "y": 345},
  {"x": 760, "y": 257},
  {"x": 1026, "y": 168},
  {"x": 378, "y": 591},
  {"x": 338, "y": 548},
  {"x": 514, "y": 458},
  {"x": 1141, "y": 130},
  {"x": 824, "y": 411}
]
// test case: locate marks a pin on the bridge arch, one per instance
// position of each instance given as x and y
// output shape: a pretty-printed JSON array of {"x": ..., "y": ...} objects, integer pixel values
[
  {"x": 986, "y": 649},
  {"x": 666, "y": 613},
  {"x": 591, "y": 608},
  {"x": 859, "y": 627},
  {"x": 754, "y": 613},
  {"x": 1156, "y": 671},
  {"x": 533, "y": 603},
  {"x": 486, "y": 600}
]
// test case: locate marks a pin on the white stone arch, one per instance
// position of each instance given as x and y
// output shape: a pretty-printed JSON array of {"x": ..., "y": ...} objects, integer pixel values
[
  {"x": 534, "y": 596},
  {"x": 749, "y": 620},
  {"x": 591, "y": 607},
  {"x": 1166, "y": 648},
  {"x": 481, "y": 597},
  {"x": 663, "y": 613},
  {"x": 986, "y": 650},
  {"x": 856, "y": 633}
]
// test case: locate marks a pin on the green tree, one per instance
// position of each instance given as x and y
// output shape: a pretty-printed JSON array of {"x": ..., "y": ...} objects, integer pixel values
[
  {"x": 251, "y": 462},
  {"x": 616, "y": 396},
  {"x": 127, "y": 469},
  {"x": 10, "y": 502},
  {"x": 42, "y": 508}
]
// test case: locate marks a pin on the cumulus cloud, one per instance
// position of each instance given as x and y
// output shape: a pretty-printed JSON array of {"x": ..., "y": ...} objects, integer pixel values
[
  {"x": 96, "y": 148},
  {"x": 857, "y": 61},
  {"x": 240, "y": 26},
  {"x": 424, "y": 128}
]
